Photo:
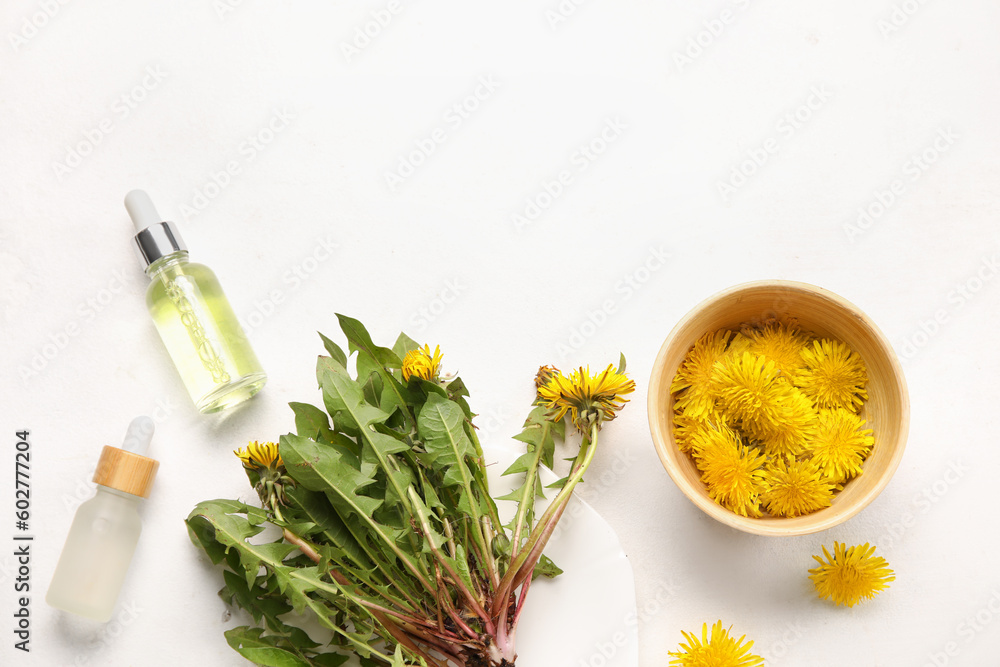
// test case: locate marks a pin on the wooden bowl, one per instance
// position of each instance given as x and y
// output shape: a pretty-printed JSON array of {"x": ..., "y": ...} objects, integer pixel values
[{"x": 826, "y": 315}]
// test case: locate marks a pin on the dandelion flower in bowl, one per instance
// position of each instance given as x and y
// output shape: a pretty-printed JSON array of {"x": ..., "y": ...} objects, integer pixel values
[
  {"x": 732, "y": 472},
  {"x": 841, "y": 444},
  {"x": 833, "y": 376},
  {"x": 749, "y": 388},
  {"x": 795, "y": 488},
  {"x": 780, "y": 342},
  {"x": 695, "y": 374},
  {"x": 791, "y": 434}
]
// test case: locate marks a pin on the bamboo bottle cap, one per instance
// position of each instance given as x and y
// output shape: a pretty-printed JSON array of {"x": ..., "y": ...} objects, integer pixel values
[{"x": 126, "y": 471}]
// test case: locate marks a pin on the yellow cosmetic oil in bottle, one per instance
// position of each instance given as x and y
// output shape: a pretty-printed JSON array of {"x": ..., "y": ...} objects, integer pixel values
[{"x": 193, "y": 316}]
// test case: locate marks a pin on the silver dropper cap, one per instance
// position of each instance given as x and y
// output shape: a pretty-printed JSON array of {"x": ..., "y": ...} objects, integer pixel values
[{"x": 155, "y": 238}]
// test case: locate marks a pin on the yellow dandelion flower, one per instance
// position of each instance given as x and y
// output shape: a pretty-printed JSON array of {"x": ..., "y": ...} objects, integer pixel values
[
  {"x": 589, "y": 400},
  {"x": 795, "y": 488},
  {"x": 271, "y": 478},
  {"x": 259, "y": 455},
  {"x": 780, "y": 342},
  {"x": 795, "y": 428},
  {"x": 718, "y": 650},
  {"x": 544, "y": 374},
  {"x": 738, "y": 345},
  {"x": 687, "y": 429},
  {"x": 710, "y": 438},
  {"x": 833, "y": 375},
  {"x": 750, "y": 389},
  {"x": 841, "y": 444},
  {"x": 734, "y": 475},
  {"x": 851, "y": 575},
  {"x": 694, "y": 376},
  {"x": 422, "y": 363}
]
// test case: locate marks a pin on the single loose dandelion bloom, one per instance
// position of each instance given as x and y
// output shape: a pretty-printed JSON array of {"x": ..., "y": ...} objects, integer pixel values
[
  {"x": 589, "y": 400},
  {"x": 421, "y": 363},
  {"x": 851, "y": 575},
  {"x": 718, "y": 650},
  {"x": 733, "y": 475},
  {"x": 750, "y": 389},
  {"x": 780, "y": 342},
  {"x": 833, "y": 375},
  {"x": 259, "y": 455},
  {"x": 795, "y": 488},
  {"x": 841, "y": 444},
  {"x": 694, "y": 376}
]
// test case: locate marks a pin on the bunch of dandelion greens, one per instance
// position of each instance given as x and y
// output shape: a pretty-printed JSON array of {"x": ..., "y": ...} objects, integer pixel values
[
  {"x": 770, "y": 415},
  {"x": 388, "y": 536}
]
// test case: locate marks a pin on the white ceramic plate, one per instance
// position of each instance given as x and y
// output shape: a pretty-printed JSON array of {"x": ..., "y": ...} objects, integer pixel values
[{"x": 585, "y": 617}]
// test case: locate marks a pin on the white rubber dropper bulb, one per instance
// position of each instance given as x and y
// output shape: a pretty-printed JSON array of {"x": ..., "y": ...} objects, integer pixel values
[
  {"x": 139, "y": 434},
  {"x": 141, "y": 209}
]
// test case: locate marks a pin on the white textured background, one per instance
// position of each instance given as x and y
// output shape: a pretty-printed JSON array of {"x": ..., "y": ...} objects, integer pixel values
[{"x": 887, "y": 93}]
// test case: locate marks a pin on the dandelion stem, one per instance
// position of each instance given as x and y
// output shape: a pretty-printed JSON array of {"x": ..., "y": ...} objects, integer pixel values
[
  {"x": 459, "y": 584},
  {"x": 523, "y": 566}
]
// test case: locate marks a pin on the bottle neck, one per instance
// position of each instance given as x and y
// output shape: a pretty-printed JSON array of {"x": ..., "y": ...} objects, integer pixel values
[
  {"x": 167, "y": 261},
  {"x": 121, "y": 494}
]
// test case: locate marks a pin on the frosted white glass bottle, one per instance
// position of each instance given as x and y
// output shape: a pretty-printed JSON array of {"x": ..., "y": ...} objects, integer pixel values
[{"x": 105, "y": 530}]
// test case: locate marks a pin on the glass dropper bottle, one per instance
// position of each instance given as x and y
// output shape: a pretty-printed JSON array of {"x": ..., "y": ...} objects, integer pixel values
[
  {"x": 193, "y": 316},
  {"x": 106, "y": 528}
]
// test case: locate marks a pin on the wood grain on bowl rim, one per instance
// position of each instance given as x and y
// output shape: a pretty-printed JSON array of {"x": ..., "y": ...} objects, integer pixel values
[{"x": 820, "y": 312}]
